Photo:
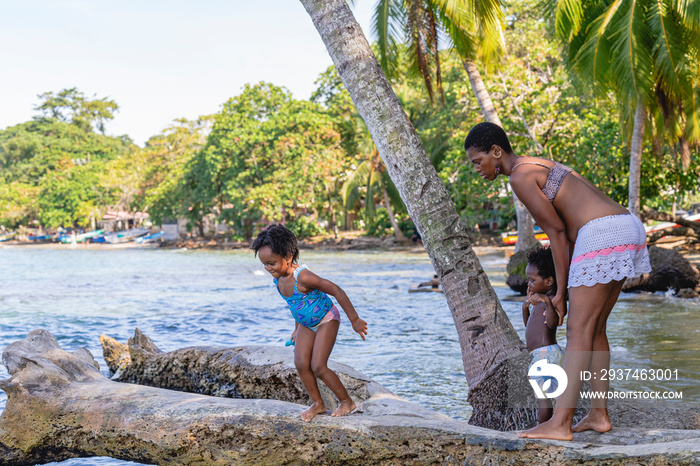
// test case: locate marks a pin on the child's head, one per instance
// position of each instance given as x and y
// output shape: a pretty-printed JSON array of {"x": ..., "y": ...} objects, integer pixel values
[
  {"x": 540, "y": 271},
  {"x": 280, "y": 240}
]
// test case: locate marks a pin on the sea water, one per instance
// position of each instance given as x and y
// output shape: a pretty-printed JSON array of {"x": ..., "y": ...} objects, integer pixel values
[{"x": 183, "y": 298}]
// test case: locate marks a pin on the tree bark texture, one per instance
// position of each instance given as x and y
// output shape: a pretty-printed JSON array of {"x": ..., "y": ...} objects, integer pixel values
[
  {"x": 487, "y": 338},
  {"x": 60, "y": 406},
  {"x": 264, "y": 372},
  {"x": 526, "y": 224},
  {"x": 640, "y": 118}
]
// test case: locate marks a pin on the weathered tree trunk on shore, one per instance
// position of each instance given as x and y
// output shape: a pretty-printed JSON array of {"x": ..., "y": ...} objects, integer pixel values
[
  {"x": 59, "y": 406},
  {"x": 495, "y": 360}
]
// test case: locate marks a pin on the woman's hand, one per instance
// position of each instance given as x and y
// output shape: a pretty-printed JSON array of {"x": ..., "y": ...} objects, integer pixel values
[
  {"x": 559, "y": 303},
  {"x": 360, "y": 326}
]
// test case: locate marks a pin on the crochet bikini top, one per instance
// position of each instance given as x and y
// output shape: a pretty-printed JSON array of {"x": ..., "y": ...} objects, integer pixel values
[{"x": 556, "y": 176}]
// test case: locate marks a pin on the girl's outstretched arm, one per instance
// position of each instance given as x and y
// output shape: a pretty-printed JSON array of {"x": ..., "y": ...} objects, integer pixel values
[{"x": 309, "y": 281}]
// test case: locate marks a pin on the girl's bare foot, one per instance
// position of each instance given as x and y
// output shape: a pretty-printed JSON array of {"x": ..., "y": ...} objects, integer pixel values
[
  {"x": 548, "y": 430},
  {"x": 595, "y": 420},
  {"x": 314, "y": 409},
  {"x": 344, "y": 408}
]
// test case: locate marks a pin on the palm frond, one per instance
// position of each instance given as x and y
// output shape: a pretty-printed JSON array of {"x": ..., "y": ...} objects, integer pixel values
[
  {"x": 419, "y": 42},
  {"x": 632, "y": 62},
  {"x": 393, "y": 192},
  {"x": 568, "y": 17},
  {"x": 350, "y": 190},
  {"x": 689, "y": 10},
  {"x": 387, "y": 28},
  {"x": 670, "y": 50},
  {"x": 593, "y": 58},
  {"x": 457, "y": 27},
  {"x": 692, "y": 117}
]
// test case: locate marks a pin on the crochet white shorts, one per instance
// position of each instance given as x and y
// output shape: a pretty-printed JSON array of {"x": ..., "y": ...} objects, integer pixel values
[{"x": 609, "y": 248}]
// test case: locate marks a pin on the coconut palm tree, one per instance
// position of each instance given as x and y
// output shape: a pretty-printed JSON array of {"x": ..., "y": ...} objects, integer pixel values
[
  {"x": 475, "y": 30},
  {"x": 491, "y": 349},
  {"x": 646, "y": 52}
]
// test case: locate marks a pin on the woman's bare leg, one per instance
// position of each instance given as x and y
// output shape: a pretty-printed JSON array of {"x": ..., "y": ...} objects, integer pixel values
[
  {"x": 325, "y": 339},
  {"x": 598, "y": 418},
  {"x": 589, "y": 308},
  {"x": 303, "y": 350}
]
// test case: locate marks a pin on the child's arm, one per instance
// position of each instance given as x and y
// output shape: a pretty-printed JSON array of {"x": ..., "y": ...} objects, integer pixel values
[
  {"x": 551, "y": 317},
  {"x": 526, "y": 312},
  {"x": 308, "y": 281}
]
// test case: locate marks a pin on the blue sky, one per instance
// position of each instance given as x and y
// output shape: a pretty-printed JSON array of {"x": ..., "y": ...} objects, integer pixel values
[{"x": 159, "y": 60}]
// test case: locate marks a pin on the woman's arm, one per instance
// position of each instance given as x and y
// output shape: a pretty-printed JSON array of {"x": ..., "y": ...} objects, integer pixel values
[
  {"x": 528, "y": 191},
  {"x": 309, "y": 281}
]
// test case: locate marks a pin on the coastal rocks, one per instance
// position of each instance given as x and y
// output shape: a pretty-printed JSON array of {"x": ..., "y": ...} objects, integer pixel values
[
  {"x": 59, "y": 406},
  {"x": 517, "y": 280},
  {"x": 669, "y": 271}
]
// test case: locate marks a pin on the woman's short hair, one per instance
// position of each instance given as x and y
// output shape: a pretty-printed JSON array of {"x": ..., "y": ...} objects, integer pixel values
[{"x": 484, "y": 135}]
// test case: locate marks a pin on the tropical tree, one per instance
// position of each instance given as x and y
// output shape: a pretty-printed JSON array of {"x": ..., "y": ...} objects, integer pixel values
[
  {"x": 370, "y": 178},
  {"x": 646, "y": 51},
  {"x": 489, "y": 343},
  {"x": 475, "y": 31},
  {"x": 72, "y": 106}
]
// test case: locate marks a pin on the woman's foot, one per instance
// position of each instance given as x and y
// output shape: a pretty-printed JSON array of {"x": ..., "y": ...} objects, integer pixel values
[
  {"x": 548, "y": 430},
  {"x": 597, "y": 420},
  {"x": 344, "y": 408},
  {"x": 314, "y": 409}
]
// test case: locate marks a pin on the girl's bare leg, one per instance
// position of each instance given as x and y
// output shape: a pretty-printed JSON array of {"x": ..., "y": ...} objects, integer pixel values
[
  {"x": 325, "y": 339},
  {"x": 597, "y": 418},
  {"x": 303, "y": 349},
  {"x": 589, "y": 308}
]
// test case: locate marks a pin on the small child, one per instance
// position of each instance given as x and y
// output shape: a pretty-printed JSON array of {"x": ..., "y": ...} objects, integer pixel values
[
  {"x": 317, "y": 319},
  {"x": 541, "y": 324}
]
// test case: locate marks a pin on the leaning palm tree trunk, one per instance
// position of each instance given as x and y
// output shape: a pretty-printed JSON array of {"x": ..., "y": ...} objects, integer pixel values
[
  {"x": 526, "y": 224},
  {"x": 636, "y": 157},
  {"x": 490, "y": 347}
]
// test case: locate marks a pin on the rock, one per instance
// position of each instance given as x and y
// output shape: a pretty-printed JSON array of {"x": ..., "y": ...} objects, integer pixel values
[
  {"x": 517, "y": 280},
  {"x": 669, "y": 271},
  {"x": 59, "y": 406}
]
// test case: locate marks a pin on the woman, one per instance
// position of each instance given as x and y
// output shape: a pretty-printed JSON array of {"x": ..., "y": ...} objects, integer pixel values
[{"x": 596, "y": 243}]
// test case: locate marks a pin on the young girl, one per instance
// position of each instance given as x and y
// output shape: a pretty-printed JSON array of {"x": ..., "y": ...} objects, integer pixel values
[
  {"x": 541, "y": 324},
  {"x": 317, "y": 319}
]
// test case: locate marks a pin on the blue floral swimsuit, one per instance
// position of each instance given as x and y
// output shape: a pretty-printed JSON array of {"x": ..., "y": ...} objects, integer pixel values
[{"x": 308, "y": 309}]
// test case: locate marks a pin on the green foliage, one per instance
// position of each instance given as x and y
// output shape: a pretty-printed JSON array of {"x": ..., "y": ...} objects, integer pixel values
[
  {"x": 378, "y": 224},
  {"x": 305, "y": 227},
  {"x": 268, "y": 156},
  {"x": 71, "y": 106},
  {"x": 52, "y": 172}
]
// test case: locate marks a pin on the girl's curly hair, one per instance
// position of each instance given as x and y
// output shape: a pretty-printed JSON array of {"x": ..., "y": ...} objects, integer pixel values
[{"x": 280, "y": 239}]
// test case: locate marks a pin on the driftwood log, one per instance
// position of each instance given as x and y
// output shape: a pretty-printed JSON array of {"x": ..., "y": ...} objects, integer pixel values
[
  {"x": 268, "y": 372},
  {"x": 60, "y": 406}
]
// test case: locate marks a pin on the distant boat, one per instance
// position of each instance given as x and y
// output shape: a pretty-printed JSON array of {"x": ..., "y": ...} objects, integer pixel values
[
  {"x": 125, "y": 236},
  {"x": 150, "y": 238},
  {"x": 81, "y": 238},
  {"x": 511, "y": 237},
  {"x": 7, "y": 236}
]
